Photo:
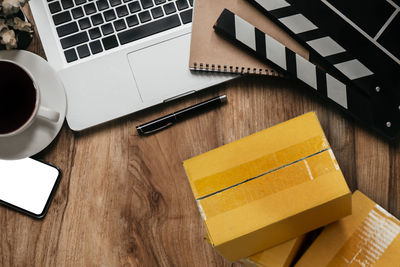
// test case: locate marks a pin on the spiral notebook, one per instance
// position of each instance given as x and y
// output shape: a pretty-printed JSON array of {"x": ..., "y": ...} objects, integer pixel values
[{"x": 210, "y": 52}]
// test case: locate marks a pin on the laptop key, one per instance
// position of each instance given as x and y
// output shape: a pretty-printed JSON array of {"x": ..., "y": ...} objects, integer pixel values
[
  {"x": 186, "y": 16},
  {"x": 77, "y": 12},
  {"x": 147, "y": 3},
  {"x": 181, "y": 4},
  {"x": 97, "y": 19},
  {"x": 83, "y": 51},
  {"x": 80, "y": 2},
  {"x": 67, "y": 29},
  {"x": 54, "y": 7},
  {"x": 96, "y": 47},
  {"x": 169, "y": 8},
  {"x": 132, "y": 20},
  {"x": 84, "y": 23},
  {"x": 144, "y": 16},
  {"x": 149, "y": 29},
  {"x": 89, "y": 8},
  {"x": 94, "y": 33},
  {"x": 70, "y": 55},
  {"x": 191, "y": 2},
  {"x": 115, "y": 2},
  {"x": 107, "y": 29},
  {"x": 74, "y": 40},
  {"x": 62, "y": 17},
  {"x": 158, "y": 2},
  {"x": 109, "y": 15},
  {"x": 102, "y": 4},
  {"x": 67, "y": 4},
  {"x": 122, "y": 11},
  {"x": 157, "y": 12},
  {"x": 119, "y": 25},
  {"x": 134, "y": 7},
  {"x": 126, "y": 1},
  {"x": 109, "y": 42}
]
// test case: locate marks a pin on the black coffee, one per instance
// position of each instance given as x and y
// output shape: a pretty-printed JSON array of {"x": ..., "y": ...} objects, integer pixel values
[{"x": 17, "y": 97}]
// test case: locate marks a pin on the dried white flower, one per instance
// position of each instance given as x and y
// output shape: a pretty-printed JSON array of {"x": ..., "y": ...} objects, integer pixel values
[
  {"x": 3, "y": 25},
  {"x": 8, "y": 39},
  {"x": 18, "y": 24},
  {"x": 10, "y": 7},
  {"x": 10, "y": 24}
]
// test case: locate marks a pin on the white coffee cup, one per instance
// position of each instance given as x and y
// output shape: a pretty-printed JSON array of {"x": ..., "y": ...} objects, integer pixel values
[{"x": 20, "y": 104}]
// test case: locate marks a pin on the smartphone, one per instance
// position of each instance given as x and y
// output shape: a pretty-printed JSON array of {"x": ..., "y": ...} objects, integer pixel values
[{"x": 28, "y": 186}]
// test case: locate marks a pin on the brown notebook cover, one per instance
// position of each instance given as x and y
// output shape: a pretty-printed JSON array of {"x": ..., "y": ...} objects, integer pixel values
[{"x": 211, "y": 52}]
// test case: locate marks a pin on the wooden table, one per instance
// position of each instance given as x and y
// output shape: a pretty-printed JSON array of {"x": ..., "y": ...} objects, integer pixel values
[{"x": 124, "y": 200}]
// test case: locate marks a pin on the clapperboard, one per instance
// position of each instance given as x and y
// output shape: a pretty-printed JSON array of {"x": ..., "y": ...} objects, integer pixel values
[
  {"x": 359, "y": 38},
  {"x": 372, "y": 111}
]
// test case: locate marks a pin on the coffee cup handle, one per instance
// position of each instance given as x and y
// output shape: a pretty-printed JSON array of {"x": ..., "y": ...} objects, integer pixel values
[{"x": 48, "y": 114}]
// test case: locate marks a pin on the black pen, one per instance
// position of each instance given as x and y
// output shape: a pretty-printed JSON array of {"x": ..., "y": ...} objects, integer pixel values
[{"x": 170, "y": 119}]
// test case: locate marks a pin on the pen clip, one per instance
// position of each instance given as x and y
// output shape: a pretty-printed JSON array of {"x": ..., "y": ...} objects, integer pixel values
[{"x": 159, "y": 129}]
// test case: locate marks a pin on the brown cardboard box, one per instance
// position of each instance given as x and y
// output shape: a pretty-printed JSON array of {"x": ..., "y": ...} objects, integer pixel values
[
  {"x": 268, "y": 188},
  {"x": 369, "y": 237},
  {"x": 281, "y": 255}
]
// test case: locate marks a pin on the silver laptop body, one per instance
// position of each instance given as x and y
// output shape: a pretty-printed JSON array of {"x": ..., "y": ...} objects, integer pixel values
[{"x": 116, "y": 57}]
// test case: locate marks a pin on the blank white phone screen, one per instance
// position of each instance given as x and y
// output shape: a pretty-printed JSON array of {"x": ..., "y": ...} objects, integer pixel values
[{"x": 27, "y": 183}]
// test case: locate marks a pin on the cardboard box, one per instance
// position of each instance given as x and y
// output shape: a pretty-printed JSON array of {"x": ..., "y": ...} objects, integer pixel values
[
  {"x": 268, "y": 188},
  {"x": 369, "y": 237},
  {"x": 281, "y": 255}
]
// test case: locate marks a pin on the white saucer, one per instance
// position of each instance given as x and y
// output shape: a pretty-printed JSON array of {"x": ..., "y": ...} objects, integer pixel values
[{"x": 41, "y": 133}]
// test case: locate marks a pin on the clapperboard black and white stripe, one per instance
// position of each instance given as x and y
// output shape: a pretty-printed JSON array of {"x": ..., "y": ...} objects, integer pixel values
[
  {"x": 351, "y": 99},
  {"x": 356, "y": 38}
]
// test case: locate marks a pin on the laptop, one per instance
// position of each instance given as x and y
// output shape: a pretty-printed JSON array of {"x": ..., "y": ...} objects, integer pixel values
[{"x": 116, "y": 57}]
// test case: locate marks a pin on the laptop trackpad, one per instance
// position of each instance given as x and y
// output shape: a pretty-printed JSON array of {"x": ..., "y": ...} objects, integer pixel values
[{"x": 162, "y": 71}]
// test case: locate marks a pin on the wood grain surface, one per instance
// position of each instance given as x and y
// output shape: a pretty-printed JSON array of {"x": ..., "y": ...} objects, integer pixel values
[{"x": 124, "y": 200}]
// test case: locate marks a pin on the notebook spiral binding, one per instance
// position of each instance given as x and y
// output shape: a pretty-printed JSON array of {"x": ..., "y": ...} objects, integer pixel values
[{"x": 233, "y": 69}]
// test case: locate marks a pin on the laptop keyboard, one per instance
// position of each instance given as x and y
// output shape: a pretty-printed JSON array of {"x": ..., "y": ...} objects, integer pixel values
[{"x": 88, "y": 27}]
